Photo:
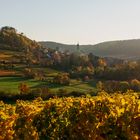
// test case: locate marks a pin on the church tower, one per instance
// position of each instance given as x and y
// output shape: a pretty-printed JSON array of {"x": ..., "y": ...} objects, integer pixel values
[{"x": 78, "y": 47}]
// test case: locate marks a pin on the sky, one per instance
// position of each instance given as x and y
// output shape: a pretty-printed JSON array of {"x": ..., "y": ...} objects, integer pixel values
[{"x": 72, "y": 21}]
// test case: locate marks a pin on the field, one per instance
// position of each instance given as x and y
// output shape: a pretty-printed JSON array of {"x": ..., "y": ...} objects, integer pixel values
[
  {"x": 10, "y": 84},
  {"x": 6, "y": 73}
]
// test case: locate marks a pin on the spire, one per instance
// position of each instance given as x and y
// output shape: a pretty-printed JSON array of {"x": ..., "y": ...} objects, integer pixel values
[{"x": 78, "y": 47}]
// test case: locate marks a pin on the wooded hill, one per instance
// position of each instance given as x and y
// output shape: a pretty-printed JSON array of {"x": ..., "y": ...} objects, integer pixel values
[
  {"x": 17, "y": 48},
  {"x": 124, "y": 49}
]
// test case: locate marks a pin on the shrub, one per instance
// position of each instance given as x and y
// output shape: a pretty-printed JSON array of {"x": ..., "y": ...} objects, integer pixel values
[
  {"x": 23, "y": 88},
  {"x": 62, "y": 79},
  {"x": 124, "y": 86},
  {"x": 100, "y": 117},
  {"x": 135, "y": 84}
]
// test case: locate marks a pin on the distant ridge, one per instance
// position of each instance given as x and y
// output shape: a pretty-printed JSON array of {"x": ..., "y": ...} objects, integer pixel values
[{"x": 122, "y": 49}]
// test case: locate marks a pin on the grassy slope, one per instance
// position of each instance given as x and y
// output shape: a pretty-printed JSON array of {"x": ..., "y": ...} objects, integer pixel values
[
  {"x": 10, "y": 84},
  {"x": 11, "y": 77}
]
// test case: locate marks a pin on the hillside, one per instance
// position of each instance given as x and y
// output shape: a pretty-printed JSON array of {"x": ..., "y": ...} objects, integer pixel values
[
  {"x": 125, "y": 49},
  {"x": 23, "y": 60},
  {"x": 60, "y": 46},
  {"x": 16, "y": 48},
  {"x": 66, "y": 47}
]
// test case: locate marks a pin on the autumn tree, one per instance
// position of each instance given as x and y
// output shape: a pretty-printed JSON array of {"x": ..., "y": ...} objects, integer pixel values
[
  {"x": 102, "y": 62},
  {"x": 23, "y": 88},
  {"x": 62, "y": 79},
  {"x": 99, "y": 86},
  {"x": 135, "y": 84}
]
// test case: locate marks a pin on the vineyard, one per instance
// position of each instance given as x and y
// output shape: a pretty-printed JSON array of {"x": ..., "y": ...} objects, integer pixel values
[{"x": 103, "y": 117}]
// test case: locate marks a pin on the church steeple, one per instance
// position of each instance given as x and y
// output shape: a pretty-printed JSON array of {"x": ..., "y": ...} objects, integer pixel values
[{"x": 78, "y": 47}]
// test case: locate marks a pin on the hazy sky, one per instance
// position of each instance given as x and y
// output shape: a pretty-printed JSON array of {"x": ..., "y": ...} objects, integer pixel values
[{"x": 72, "y": 21}]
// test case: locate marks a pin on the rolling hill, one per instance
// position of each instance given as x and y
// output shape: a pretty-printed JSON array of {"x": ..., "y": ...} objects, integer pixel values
[
  {"x": 124, "y": 49},
  {"x": 16, "y": 48}
]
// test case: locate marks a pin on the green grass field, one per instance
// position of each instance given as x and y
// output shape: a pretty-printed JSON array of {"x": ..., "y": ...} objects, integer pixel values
[{"x": 10, "y": 84}]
